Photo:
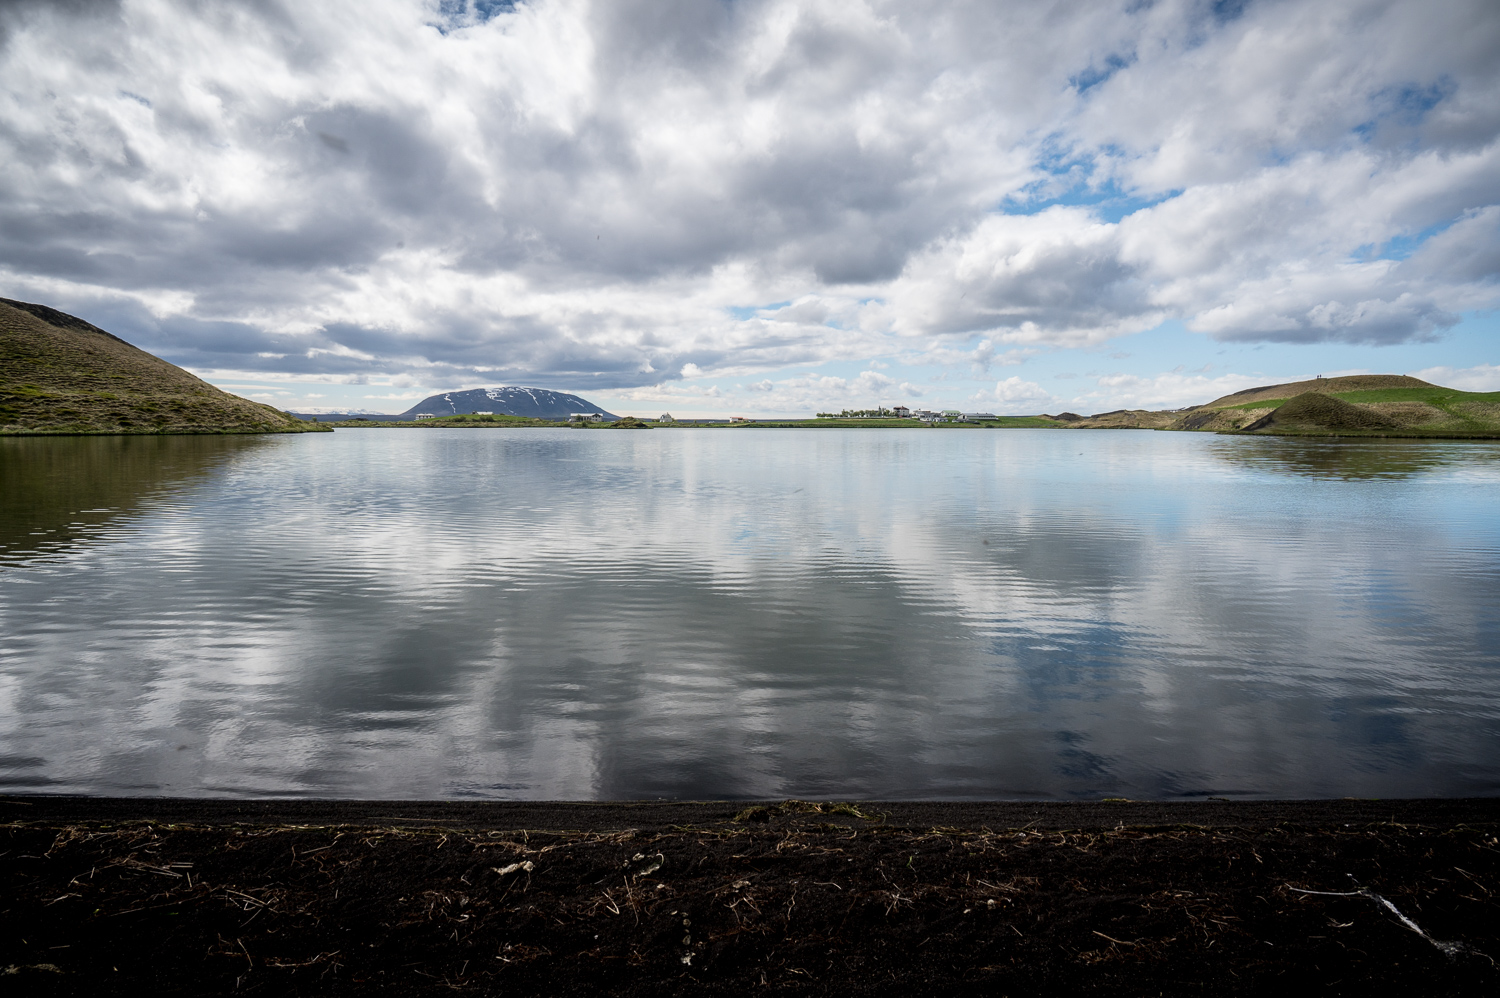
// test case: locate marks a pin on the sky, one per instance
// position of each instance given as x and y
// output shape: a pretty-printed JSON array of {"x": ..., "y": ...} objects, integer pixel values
[{"x": 762, "y": 207}]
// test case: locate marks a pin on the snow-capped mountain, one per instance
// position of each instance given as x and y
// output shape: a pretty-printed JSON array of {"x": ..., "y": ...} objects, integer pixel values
[{"x": 538, "y": 403}]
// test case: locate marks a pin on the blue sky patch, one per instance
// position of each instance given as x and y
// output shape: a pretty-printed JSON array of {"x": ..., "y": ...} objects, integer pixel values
[
  {"x": 1095, "y": 75},
  {"x": 1405, "y": 105},
  {"x": 743, "y": 312},
  {"x": 1109, "y": 202},
  {"x": 1225, "y": 11},
  {"x": 464, "y": 13},
  {"x": 1399, "y": 247}
]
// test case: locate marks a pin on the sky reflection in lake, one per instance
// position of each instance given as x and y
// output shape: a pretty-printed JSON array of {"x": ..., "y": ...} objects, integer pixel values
[{"x": 749, "y": 613}]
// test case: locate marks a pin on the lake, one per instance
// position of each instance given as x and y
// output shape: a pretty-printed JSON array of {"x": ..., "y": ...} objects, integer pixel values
[{"x": 748, "y": 613}]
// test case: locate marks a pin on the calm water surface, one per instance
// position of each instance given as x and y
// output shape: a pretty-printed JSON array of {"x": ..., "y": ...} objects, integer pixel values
[{"x": 749, "y": 613}]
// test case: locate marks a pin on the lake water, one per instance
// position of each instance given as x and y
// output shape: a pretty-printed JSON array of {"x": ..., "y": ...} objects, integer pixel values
[{"x": 749, "y": 613}]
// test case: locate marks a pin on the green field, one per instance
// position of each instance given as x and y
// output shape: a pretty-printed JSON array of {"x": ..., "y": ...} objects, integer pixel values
[{"x": 1439, "y": 397}]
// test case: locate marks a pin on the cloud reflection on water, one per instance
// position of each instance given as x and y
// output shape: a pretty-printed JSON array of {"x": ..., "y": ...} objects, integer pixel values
[{"x": 752, "y": 613}]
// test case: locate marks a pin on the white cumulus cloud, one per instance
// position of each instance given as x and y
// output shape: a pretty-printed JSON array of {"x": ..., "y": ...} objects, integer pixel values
[
  {"x": 1480, "y": 378},
  {"x": 623, "y": 194}
]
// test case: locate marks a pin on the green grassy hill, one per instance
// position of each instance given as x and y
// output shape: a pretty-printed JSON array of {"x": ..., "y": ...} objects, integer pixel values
[
  {"x": 1375, "y": 404},
  {"x": 60, "y": 374}
]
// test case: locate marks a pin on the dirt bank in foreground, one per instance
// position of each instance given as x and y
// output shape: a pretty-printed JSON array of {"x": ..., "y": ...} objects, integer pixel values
[{"x": 292, "y": 897}]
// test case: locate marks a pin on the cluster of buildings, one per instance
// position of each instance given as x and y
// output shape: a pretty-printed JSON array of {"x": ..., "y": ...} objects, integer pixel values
[
  {"x": 943, "y": 416},
  {"x": 898, "y": 412}
]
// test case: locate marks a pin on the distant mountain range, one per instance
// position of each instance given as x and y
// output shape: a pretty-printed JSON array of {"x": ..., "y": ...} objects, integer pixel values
[{"x": 536, "y": 403}]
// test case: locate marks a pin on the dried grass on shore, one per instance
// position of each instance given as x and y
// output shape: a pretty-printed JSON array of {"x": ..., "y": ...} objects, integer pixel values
[{"x": 812, "y": 898}]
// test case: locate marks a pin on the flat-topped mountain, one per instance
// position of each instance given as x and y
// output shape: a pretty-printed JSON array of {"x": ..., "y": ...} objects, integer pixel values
[
  {"x": 60, "y": 374},
  {"x": 536, "y": 403}
]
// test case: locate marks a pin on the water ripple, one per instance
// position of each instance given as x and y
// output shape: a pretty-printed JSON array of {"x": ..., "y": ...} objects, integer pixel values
[{"x": 573, "y": 614}]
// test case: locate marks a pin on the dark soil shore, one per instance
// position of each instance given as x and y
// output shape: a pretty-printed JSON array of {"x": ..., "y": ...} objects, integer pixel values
[{"x": 107, "y": 896}]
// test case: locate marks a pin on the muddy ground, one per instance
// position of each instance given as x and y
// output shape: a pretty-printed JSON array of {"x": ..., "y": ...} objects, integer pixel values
[{"x": 215, "y": 897}]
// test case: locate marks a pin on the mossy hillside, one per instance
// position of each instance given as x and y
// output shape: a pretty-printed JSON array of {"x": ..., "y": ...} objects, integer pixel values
[
  {"x": 1387, "y": 404},
  {"x": 1426, "y": 409},
  {"x": 1314, "y": 410},
  {"x": 1123, "y": 419},
  {"x": 1267, "y": 394},
  {"x": 60, "y": 374}
]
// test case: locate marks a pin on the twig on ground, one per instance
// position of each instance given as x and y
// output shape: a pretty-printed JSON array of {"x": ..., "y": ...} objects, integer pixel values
[{"x": 1449, "y": 948}]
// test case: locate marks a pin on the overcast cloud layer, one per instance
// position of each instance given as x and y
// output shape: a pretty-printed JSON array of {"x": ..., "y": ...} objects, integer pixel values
[{"x": 618, "y": 195}]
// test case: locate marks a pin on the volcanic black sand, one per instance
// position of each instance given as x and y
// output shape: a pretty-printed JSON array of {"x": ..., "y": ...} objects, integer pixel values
[{"x": 107, "y": 896}]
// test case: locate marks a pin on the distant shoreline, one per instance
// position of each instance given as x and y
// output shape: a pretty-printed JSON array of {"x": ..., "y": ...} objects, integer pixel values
[
  {"x": 1007, "y": 423},
  {"x": 1380, "y": 406}
]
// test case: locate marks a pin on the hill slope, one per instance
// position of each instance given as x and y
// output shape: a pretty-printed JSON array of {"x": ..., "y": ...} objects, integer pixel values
[
  {"x": 1328, "y": 386},
  {"x": 1379, "y": 404},
  {"x": 1317, "y": 411},
  {"x": 1374, "y": 403},
  {"x": 60, "y": 374},
  {"x": 536, "y": 403}
]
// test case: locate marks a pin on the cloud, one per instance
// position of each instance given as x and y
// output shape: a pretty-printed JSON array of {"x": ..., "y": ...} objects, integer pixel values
[
  {"x": 801, "y": 394},
  {"x": 1480, "y": 378},
  {"x": 1014, "y": 392},
  {"x": 607, "y": 195},
  {"x": 1055, "y": 277},
  {"x": 1169, "y": 390}
]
